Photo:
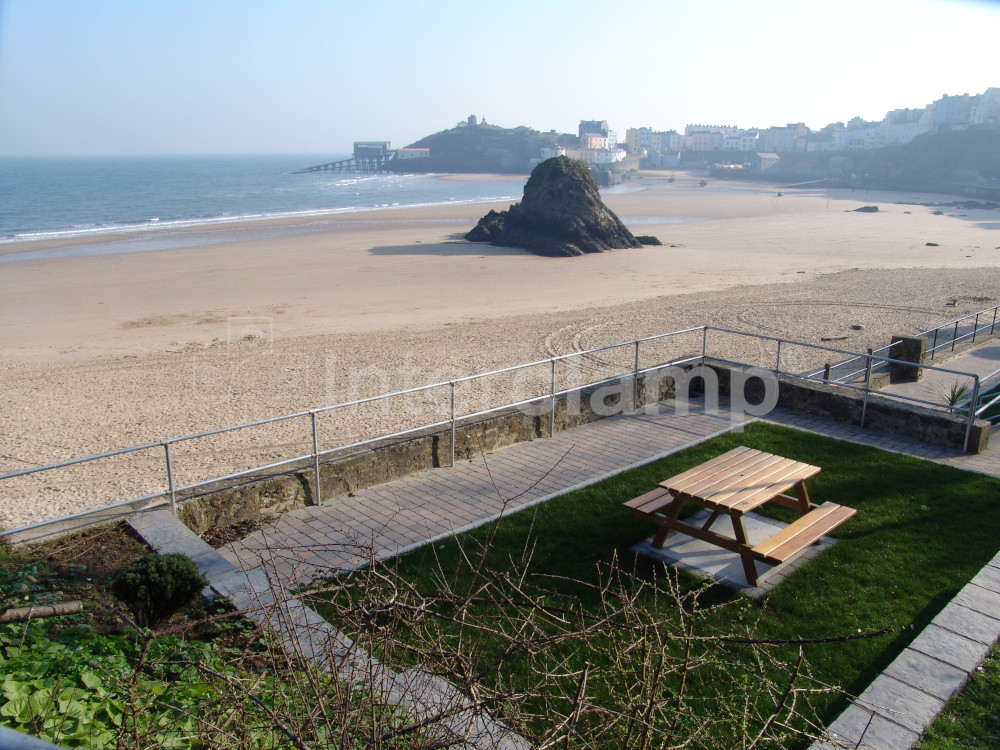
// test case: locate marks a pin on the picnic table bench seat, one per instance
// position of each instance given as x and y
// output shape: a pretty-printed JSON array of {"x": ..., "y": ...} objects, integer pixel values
[
  {"x": 648, "y": 505},
  {"x": 801, "y": 533}
]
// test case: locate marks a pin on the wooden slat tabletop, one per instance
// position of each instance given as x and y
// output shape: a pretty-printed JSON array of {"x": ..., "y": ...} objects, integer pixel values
[{"x": 740, "y": 480}]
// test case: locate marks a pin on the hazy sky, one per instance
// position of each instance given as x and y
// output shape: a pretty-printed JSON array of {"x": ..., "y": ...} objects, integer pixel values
[{"x": 311, "y": 76}]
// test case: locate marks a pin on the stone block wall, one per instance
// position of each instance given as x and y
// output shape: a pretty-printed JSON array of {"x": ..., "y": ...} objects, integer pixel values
[{"x": 883, "y": 414}]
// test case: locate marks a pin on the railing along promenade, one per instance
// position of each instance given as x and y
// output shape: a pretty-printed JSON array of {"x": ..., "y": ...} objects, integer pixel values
[
  {"x": 621, "y": 363},
  {"x": 940, "y": 339}
]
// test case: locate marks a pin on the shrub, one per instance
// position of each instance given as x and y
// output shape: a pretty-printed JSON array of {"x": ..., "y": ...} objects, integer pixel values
[{"x": 155, "y": 586}]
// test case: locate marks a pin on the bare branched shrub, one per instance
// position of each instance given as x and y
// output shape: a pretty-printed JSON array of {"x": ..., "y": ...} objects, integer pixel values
[{"x": 640, "y": 669}]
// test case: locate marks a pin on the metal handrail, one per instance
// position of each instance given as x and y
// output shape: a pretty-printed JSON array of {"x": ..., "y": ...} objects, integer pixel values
[
  {"x": 959, "y": 320},
  {"x": 955, "y": 337},
  {"x": 455, "y": 417}
]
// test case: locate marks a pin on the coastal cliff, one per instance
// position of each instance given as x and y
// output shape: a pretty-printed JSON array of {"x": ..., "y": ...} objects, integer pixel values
[{"x": 560, "y": 215}]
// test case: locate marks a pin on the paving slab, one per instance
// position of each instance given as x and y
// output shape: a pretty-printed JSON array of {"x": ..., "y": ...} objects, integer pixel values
[
  {"x": 950, "y": 647},
  {"x": 980, "y": 599},
  {"x": 969, "y": 623},
  {"x": 930, "y": 675},
  {"x": 705, "y": 560},
  {"x": 988, "y": 578},
  {"x": 900, "y": 703},
  {"x": 858, "y": 729}
]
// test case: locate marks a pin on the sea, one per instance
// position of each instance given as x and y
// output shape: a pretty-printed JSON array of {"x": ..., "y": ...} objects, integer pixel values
[{"x": 136, "y": 204}]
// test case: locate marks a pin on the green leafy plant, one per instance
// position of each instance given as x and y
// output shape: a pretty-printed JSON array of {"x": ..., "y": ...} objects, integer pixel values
[
  {"x": 156, "y": 586},
  {"x": 954, "y": 395}
]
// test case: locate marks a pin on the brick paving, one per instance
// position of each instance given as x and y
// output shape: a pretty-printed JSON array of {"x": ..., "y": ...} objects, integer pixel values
[{"x": 393, "y": 518}]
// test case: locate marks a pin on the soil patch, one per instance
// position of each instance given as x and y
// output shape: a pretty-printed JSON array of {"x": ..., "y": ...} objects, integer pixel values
[{"x": 220, "y": 536}]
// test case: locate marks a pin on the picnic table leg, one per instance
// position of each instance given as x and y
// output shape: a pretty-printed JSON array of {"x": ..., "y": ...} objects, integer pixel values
[
  {"x": 803, "y": 495},
  {"x": 659, "y": 537},
  {"x": 672, "y": 512},
  {"x": 749, "y": 567}
]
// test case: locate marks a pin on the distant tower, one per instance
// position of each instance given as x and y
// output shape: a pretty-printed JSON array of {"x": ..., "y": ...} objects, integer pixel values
[{"x": 472, "y": 121}]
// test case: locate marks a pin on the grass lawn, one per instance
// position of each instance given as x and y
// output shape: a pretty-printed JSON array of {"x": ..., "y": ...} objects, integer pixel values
[
  {"x": 972, "y": 718},
  {"x": 922, "y": 531}
]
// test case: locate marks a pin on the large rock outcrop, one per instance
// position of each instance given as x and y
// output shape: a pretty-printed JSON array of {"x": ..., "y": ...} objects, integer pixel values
[{"x": 561, "y": 214}]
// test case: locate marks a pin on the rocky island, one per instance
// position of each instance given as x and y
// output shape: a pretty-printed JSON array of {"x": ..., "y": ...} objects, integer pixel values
[{"x": 560, "y": 215}]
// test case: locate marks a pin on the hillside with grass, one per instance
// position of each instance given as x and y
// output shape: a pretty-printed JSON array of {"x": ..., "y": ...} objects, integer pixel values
[{"x": 962, "y": 156}]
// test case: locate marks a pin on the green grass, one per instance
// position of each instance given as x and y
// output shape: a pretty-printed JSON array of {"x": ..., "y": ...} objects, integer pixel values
[
  {"x": 970, "y": 720},
  {"x": 921, "y": 532}
]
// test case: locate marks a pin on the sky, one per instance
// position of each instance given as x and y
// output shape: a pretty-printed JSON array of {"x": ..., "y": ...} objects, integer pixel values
[{"x": 94, "y": 77}]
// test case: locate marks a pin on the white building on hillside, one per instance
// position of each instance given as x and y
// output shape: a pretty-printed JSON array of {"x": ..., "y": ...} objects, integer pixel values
[{"x": 596, "y": 155}]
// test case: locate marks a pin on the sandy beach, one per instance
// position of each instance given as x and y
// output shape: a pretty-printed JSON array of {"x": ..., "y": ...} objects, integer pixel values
[{"x": 100, "y": 352}]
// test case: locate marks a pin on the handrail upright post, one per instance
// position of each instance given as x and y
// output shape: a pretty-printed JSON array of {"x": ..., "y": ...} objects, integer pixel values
[
  {"x": 954, "y": 336},
  {"x": 994, "y": 324},
  {"x": 934, "y": 345},
  {"x": 170, "y": 478},
  {"x": 635, "y": 380},
  {"x": 975, "y": 327},
  {"x": 704, "y": 342},
  {"x": 552, "y": 399},
  {"x": 777, "y": 364},
  {"x": 452, "y": 423},
  {"x": 868, "y": 380},
  {"x": 315, "y": 434},
  {"x": 972, "y": 412}
]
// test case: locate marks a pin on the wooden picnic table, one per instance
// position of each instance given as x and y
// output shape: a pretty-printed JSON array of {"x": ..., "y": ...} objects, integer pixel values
[{"x": 734, "y": 484}]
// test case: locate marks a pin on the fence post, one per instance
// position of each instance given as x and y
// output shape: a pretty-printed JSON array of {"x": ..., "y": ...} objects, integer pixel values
[
  {"x": 777, "y": 364},
  {"x": 704, "y": 341},
  {"x": 826, "y": 372},
  {"x": 972, "y": 412},
  {"x": 316, "y": 494},
  {"x": 452, "y": 422},
  {"x": 635, "y": 379},
  {"x": 994, "y": 324},
  {"x": 954, "y": 336},
  {"x": 170, "y": 478},
  {"x": 868, "y": 380},
  {"x": 552, "y": 399},
  {"x": 975, "y": 327},
  {"x": 934, "y": 345}
]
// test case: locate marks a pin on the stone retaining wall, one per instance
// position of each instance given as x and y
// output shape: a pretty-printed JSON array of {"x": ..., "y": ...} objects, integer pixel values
[{"x": 883, "y": 414}]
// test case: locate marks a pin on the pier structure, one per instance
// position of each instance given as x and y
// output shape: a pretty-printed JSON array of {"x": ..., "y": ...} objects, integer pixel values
[{"x": 369, "y": 157}]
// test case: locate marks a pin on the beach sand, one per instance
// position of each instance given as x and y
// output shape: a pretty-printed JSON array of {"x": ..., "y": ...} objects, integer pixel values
[{"x": 103, "y": 352}]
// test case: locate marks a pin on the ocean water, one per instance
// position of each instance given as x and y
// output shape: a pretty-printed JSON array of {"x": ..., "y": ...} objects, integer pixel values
[{"x": 145, "y": 198}]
